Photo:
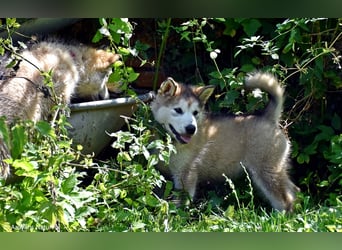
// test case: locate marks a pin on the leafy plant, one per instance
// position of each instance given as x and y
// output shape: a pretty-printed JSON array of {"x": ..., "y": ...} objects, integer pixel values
[
  {"x": 119, "y": 31},
  {"x": 128, "y": 182},
  {"x": 48, "y": 196}
]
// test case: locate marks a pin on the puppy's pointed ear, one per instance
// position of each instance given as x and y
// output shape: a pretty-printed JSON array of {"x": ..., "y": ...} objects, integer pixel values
[
  {"x": 168, "y": 87},
  {"x": 204, "y": 93}
]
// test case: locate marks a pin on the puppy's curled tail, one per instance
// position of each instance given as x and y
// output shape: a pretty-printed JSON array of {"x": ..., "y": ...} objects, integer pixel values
[{"x": 268, "y": 83}]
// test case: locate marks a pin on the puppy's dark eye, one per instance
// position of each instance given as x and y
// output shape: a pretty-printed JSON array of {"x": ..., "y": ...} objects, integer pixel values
[
  {"x": 179, "y": 111},
  {"x": 195, "y": 113}
]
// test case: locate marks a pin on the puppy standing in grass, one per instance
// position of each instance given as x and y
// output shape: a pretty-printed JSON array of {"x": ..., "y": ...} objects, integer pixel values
[
  {"x": 77, "y": 71},
  {"x": 209, "y": 146}
]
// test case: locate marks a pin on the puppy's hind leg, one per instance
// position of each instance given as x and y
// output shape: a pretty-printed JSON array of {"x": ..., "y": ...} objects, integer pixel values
[
  {"x": 277, "y": 187},
  {"x": 4, "y": 154}
]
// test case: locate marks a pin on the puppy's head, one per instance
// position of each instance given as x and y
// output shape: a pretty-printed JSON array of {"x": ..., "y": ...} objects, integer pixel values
[
  {"x": 179, "y": 108},
  {"x": 98, "y": 67}
]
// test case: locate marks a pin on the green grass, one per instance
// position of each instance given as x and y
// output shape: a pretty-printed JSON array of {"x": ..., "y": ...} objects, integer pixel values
[
  {"x": 233, "y": 212},
  {"x": 244, "y": 219}
]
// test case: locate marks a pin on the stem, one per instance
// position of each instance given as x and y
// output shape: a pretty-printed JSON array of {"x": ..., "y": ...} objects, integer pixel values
[
  {"x": 221, "y": 76},
  {"x": 301, "y": 68},
  {"x": 161, "y": 51},
  {"x": 11, "y": 50}
]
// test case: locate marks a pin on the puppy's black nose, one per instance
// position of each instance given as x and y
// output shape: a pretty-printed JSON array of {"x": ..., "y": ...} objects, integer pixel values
[{"x": 190, "y": 129}]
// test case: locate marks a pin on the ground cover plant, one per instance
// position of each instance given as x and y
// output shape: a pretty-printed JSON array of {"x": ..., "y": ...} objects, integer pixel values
[{"x": 61, "y": 189}]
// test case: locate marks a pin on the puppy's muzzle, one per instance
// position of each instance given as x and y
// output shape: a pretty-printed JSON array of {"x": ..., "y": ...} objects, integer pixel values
[{"x": 186, "y": 137}]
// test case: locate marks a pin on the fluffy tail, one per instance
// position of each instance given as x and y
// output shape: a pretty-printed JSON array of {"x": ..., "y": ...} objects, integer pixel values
[{"x": 268, "y": 83}]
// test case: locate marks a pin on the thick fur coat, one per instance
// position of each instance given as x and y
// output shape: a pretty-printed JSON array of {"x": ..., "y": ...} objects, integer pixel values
[
  {"x": 209, "y": 146},
  {"x": 77, "y": 71}
]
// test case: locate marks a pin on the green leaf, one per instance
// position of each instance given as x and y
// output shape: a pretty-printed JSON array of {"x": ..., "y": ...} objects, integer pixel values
[
  {"x": 295, "y": 36},
  {"x": 118, "y": 64},
  {"x": 12, "y": 22},
  {"x": 115, "y": 77},
  {"x": 49, "y": 213},
  {"x": 152, "y": 160},
  {"x": 301, "y": 23},
  {"x": 5, "y": 226},
  {"x": 123, "y": 156},
  {"x": 64, "y": 144},
  {"x": 85, "y": 211},
  {"x": 123, "y": 51},
  {"x": 230, "y": 211},
  {"x": 25, "y": 168},
  {"x": 251, "y": 26},
  {"x": 132, "y": 76},
  {"x": 69, "y": 184},
  {"x": 287, "y": 48},
  {"x": 319, "y": 65},
  {"x": 19, "y": 140},
  {"x": 247, "y": 68},
  {"x": 185, "y": 35},
  {"x": 230, "y": 97},
  {"x": 336, "y": 121},
  {"x": 61, "y": 216},
  {"x": 70, "y": 211},
  {"x": 310, "y": 149},
  {"x": 324, "y": 183},
  {"x": 115, "y": 37},
  {"x": 325, "y": 135},
  {"x": 230, "y": 27},
  {"x": 97, "y": 37},
  {"x": 152, "y": 201},
  {"x": 22, "y": 164},
  {"x": 138, "y": 225},
  {"x": 303, "y": 158},
  {"x": 45, "y": 129},
  {"x": 11, "y": 64},
  {"x": 215, "y": 75}
]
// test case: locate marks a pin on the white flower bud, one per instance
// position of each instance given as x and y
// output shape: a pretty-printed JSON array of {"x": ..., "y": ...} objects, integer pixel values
[{"x": 213, "y": 55}]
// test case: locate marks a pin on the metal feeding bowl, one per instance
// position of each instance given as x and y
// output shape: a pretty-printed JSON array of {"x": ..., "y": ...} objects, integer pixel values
[{"x": 92, "y": 121}]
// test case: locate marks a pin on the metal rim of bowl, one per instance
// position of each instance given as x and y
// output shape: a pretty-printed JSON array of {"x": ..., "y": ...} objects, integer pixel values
[{"x": 110, "y": 102}]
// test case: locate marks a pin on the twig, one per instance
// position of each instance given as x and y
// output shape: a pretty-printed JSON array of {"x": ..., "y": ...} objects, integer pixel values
[{"x": 161, "y": 52}]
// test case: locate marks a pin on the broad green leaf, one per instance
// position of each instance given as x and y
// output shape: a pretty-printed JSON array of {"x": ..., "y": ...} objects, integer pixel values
[
  {"x": 301, "y": 158},
  {"x": 19, "y": 140},
  {"x": 325, "y": 135},
  {"x": 5, "y": 226},
  {"x": 138, "y": 225},
  {"x": 247, "y": 68},
  {"x": 61, "y": 216},
  {"x": 132, "y": 76},
  {"x": 69, "y": 184},
  {"x": 152, "y": 160},
  {"x": 251, "y": 26},
  {"x": 336, "y": 121},
  {"x": 97, "y": 37},
  {"x": 25, "y": 168},
  {"x": 45, "y": 129}
]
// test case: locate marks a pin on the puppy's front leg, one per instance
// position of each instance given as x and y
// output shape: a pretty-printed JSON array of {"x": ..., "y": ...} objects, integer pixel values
[{"x": 186, "y": 181}]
